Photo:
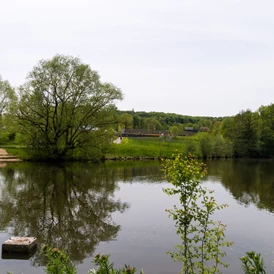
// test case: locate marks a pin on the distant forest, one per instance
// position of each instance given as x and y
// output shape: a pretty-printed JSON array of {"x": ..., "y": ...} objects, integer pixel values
[
  {"x": 164, "y": 121},
  {"x": 247, "y": 134}
]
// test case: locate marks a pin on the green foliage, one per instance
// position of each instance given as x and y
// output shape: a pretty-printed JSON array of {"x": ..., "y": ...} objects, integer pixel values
[
  {"x": 191, "y": 146},
  {"x": 246, "y": 134},
  {"x": 105, "y": 267},
  {"x": 159, "y": 120},
  {"x": 58, "y": 262},
  {"x": 126, "y": 120},
  {"x": 251, "y": 133},
  {"x": 203, "y": 239},
  {"x": 215, "y": 145},
  {"x": 206, "y": 144},
  {"x": 152, "y": 124},
  {"x": 267, "y": 131},
  {"x": 20, "y": 152},
  {"x": 64, "y": 106},
  {"x": 252, "y": 263},
  {"x": 174, "y": 131},
  {"x": 226, "y": 128},
  {"x": 125, "y": 141},
  {"x": 7, "y": 101},
  {"x": 7, "y": 95},
  {"x": 4, "y": 137}
]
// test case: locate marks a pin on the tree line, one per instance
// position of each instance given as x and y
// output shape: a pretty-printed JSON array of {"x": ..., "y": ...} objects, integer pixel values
[
  {"x": 252, "y": 133},
  {"x": 164, "y": 121}
]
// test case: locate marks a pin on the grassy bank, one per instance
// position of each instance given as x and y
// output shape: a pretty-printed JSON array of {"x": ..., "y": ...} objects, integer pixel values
[
  {"x": 136, "y": 147},
  {"x": 27, "y": 154},
  {"x": 18, "y": 151},
  {"x": 201, "y": 145},
  {"x": 152, "y": 147}
]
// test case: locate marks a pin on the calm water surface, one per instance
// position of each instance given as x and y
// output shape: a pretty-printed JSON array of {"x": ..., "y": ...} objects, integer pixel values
[{"x": 119, "y": 209}]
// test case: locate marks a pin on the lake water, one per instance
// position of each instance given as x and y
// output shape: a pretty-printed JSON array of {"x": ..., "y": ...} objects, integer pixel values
[{"x": 119, "y": 209}]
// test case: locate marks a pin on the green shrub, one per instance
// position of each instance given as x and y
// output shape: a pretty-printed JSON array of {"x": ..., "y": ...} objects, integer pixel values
[
  {"x": 252, "y": 263},
  {"x": 105, "y": 267},
  {"x": 201, "y": 250},
  {"x": 58, "y": 262}
]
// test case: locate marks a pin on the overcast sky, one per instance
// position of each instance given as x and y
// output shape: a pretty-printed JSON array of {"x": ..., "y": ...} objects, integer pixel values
[{"x": 191, "y": 57}]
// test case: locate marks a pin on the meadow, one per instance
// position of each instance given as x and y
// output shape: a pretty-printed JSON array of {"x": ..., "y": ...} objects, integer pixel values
[{"x": 154, "y": 147}]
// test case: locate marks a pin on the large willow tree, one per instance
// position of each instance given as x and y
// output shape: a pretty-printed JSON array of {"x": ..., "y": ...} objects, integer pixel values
[{"x": 64, "y": 107}]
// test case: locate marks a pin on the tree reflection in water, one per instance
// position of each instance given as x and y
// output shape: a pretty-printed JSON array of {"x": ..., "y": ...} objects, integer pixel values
[
  {"x": 69, "y": 206},
  {"x": 250, "y": 181}
]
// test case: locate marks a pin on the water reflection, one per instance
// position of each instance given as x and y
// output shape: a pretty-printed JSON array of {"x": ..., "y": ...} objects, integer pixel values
[
  {"x": 68, "y": 206},
  {"x": 71, "y": 206},
  {"x": 249, "y": 181},
  {"x": 140, "y": 171}
]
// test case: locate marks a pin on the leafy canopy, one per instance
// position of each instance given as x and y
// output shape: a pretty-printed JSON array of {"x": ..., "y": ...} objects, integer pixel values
[{"x": 64, "y": 106}]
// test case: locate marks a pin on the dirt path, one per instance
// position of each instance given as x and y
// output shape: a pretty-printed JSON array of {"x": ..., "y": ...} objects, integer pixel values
[{"x": 3, "y": 152}]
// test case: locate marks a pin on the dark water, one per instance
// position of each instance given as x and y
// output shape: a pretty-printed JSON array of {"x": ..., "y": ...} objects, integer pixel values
[{"x": 119, "y": 209}]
